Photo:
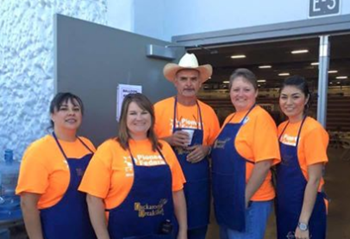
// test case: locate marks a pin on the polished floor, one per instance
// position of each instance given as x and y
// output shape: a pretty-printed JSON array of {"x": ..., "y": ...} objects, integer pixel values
[{"x": 337, "y": 187}]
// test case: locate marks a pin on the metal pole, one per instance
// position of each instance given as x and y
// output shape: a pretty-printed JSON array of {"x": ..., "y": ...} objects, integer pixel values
[{"x": 323, "y": 79}]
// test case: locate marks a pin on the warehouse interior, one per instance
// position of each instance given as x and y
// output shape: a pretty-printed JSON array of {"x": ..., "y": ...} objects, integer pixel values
[{"x": 272, "y": 61}]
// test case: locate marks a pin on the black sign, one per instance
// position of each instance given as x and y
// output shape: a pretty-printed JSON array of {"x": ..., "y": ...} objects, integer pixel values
[{"x": 323, "y": 7}]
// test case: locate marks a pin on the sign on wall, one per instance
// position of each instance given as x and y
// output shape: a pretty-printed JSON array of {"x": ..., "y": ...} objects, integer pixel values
[
  {"x": 319, "y": 8},
  {"x": 122, "y": 91}
]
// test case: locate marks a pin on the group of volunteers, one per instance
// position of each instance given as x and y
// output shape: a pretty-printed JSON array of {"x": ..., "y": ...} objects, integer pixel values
[{"x": 158, "y": 176}]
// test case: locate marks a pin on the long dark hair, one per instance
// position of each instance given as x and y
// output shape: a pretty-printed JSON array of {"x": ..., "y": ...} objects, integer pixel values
[
  {"x": 144, "y": 103},
  {"x": 62, "y": 98}
]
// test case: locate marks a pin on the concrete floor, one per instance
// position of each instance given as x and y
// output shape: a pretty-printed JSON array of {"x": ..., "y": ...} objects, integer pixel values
[{"x": 337, "y": 188}]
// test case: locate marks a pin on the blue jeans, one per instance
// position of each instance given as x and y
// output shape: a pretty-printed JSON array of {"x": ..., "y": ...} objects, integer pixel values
[{"x": 256, "y": 220}]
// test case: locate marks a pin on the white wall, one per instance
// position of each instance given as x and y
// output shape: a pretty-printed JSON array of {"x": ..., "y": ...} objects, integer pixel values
[
  {"x": 26, "y": 64},
  {"x": 166, "y": 18},
  {"x": 120, "y": 14}
]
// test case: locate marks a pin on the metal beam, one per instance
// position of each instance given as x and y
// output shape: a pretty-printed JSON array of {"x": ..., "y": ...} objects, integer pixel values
[
  {"x": 286, "y": 30},
  {"x": 323, "y": 79}
]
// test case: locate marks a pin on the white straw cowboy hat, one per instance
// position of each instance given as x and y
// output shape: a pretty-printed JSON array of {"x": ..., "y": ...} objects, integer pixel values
[{"x": 188, "y": 61}]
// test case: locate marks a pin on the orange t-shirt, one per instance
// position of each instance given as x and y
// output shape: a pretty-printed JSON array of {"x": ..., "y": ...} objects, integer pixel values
[
  {"x": 257, "y": 141},
  {"x": 186, "y": 117},
  {"x": 45, "y": 171},
  {"x": 110, "y": 174},
  {"x": 312, "y": 146}
]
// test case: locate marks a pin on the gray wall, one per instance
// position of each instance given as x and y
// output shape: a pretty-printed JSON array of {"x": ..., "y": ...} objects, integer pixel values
[{"x": 92, "y": 59}]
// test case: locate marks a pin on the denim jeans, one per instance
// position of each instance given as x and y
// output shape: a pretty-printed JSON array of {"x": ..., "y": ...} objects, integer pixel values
[{"x": 257, "y": 215}]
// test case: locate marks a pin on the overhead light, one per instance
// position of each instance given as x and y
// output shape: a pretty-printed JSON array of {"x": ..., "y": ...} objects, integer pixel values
[
  {"x": 265, "y": 67},
  {"x": 301, "y": 51},
  {"x": 237, "y": 56},
  {"x": 332, "y": 71},
  {"x": 331, "y": 83},
  {"x": 259, "y": 85},
  {"x": 314, "y": 63},
  {"x": 341, "y": 77},
  {"x": 261, "y": 81},
  {"x": 226, "y": 82},
  {"x": 338, "y": 82},
  {"x": 284, "y": 74}
]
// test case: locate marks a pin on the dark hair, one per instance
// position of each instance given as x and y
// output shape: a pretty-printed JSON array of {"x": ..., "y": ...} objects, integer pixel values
[
  {"x": 246, "y": 74},
  {"x": 62, "y": 98},
  {"x": 144, "y": 103},
  {"x": 300, "y": 83}
]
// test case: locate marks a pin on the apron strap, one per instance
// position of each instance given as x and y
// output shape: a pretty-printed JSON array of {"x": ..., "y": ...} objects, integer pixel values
[
  {"x": 59, "y": 145},
  {"x": 299, "y": 131},
  {"x": 87, "y": 147},
  {"x": 61, "y": 149},
  {"x": 199, "y": 112}
]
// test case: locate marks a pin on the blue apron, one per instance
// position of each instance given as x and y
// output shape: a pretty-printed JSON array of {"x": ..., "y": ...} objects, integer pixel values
[
  {"x": 290, "y": 189},
  {"x": 148, "y": 205},
  {"x": 69, "y": 218},
  {"x": 229, "y": 178},
  {"x": 197, "y": 186}
]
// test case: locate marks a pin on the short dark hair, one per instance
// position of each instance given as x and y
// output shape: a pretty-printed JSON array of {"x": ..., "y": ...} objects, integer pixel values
[
  {"x": 61, "y": 98},
  {"x": 123, "y": 133},
  {"x": 246, "y": 74},
  {"x": 300, "y": 83}
]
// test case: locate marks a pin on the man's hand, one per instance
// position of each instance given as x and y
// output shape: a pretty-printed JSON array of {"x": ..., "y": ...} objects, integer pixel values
[
  {"x": 178, "y": 139},
  {"x": 198, "y": 152}
]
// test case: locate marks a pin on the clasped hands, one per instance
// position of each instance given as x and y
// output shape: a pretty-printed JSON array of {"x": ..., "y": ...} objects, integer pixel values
[{"x": 182, "y": 139}]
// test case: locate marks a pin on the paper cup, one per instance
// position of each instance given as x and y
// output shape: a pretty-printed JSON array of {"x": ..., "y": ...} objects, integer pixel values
[{"x": 190, "y": 134}]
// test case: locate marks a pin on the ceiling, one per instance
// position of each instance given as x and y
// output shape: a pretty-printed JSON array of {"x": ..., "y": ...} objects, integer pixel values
[{"x": 277, "y": 54}]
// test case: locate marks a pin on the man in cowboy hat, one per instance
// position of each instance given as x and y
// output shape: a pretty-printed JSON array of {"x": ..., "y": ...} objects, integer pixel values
[{"x": 190, "y": 127}]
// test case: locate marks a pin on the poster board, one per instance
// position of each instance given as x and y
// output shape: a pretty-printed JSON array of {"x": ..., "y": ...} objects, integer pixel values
[{"x": 122, "y": 91}]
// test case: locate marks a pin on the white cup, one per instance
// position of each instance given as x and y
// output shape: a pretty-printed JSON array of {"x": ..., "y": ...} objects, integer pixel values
[{"x": 190, "y": 134}]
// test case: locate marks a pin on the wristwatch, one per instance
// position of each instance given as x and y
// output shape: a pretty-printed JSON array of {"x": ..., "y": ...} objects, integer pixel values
[{"x": 303, "y": 226}]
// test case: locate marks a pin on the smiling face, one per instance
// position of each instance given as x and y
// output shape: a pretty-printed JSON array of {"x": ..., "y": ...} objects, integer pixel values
[
  {"x": 67, "y": 116},
  {"x": 138, "y": 121},
  {"x": 243, "y": 94},
  {"x": 292, "y": 103},
  {"x": 187, "y": 83}
]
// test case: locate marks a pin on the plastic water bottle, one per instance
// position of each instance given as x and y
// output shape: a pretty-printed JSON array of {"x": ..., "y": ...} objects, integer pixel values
[
  {"x": 9, "y": 202},
  {"x": 8, "y": 156}
]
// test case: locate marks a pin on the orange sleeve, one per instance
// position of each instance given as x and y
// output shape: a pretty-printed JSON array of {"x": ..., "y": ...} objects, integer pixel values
[
  {"x": 97, "y": 177},
  {"x": 213, "y": 125},
  {"x": 315, "y": 146},
  {"x": 164, "y": 113},
  {"x": 178, "y": 178},
  {"x": 265, "y": 141},
  {"x": 33, "y": 174},
  {"x": 158, "y": 115}
]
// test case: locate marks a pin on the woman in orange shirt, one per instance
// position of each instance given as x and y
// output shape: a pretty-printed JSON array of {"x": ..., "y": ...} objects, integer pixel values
[
  {"x": 137, "y": 179},
  {"x": 301, "y": 208},
  {"x": 51, "y": 170},
  {"x": 242, "y": 155}
]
